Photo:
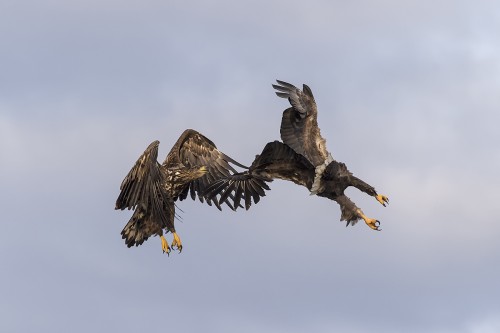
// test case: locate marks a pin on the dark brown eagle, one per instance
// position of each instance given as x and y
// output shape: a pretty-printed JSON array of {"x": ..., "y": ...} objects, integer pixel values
[
  {"x": 302, "y": 158},
  {"x": 151, "y": 188}
]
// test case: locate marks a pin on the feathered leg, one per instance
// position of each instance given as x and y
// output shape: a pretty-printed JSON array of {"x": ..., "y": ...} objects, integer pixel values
[
  {"x": 176, "y": 242},
  {"x": 351, "y": 213},
  {"x": 370, "y": 190}
]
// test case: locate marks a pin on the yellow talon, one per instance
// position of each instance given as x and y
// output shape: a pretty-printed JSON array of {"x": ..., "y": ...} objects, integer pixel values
[
  {"x": 164, "y": 245},
  {"x": 382, "y": 199},
  {"x": 372, "y": 223},
  {"x": 177, "y": 242}
]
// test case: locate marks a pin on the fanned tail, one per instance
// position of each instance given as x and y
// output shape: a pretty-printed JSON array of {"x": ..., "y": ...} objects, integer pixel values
[
  {"x": 238, "y": 187},
  {"x": 135, "y": 232}
]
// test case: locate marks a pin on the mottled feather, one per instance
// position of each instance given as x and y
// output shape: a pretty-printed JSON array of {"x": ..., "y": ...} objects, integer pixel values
[{"x": 151, "y": 188}]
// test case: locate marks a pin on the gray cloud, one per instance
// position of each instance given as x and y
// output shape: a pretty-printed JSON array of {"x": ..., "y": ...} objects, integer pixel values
[{"x": 408, "y": 98}]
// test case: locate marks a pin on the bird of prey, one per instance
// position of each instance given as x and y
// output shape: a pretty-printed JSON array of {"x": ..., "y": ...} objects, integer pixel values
[
  {"x": 302, "y": 158},
  {"x": 151, "y": 188}
]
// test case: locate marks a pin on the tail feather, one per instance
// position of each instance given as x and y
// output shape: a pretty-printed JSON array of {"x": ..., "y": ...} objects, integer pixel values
[
  {"x": 144, "y": 224},
  {"x": 241, "y": 186},
  {"x": 138, "y": 228}
]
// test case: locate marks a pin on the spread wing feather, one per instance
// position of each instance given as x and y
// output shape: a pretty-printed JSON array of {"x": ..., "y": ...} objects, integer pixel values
[
  {"x": 231, "y": 186},
  {"x": 143, "y": 190},
  {"x": 238, "y": 195},
  {"x": 299, "y": 125},
  {"x": 195, "y": 150},
  {"x": 277, "y": 161}
]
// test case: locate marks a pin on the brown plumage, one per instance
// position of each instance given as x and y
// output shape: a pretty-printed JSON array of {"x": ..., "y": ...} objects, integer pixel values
[
  {"x": 302, "y": 158},
  {"x": 151, "y": 188},
  {"x": 299, "y": 124}
]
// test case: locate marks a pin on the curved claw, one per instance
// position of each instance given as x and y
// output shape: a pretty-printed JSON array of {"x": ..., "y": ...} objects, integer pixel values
[
  {"x": 373, "y": 224},
  {"x": 176, "y": 243},
  {"x": 382, "y": 199},
  {"x": 164, "y": 246},
  {"x": 179, "y": 248}
]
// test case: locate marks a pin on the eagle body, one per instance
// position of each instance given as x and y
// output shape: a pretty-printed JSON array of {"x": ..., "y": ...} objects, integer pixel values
[
  {"x": 301, "y": 158},
  {"x": 151, "y": 188}
]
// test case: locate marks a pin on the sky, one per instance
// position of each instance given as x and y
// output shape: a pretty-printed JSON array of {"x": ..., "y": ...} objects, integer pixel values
[{"x": 408, "y": 94}]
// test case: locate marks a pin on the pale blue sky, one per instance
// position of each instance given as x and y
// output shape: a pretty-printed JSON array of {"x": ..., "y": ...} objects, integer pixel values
[{"x": 408, "y": 96}]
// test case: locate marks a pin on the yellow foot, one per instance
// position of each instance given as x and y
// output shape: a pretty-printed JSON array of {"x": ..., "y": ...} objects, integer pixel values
[
  {"x": 372, "y": 223},
  {"x": 382, "y": 199},
  {"x": 164, "y": 245},
  {"x": 177, "y": 242}
]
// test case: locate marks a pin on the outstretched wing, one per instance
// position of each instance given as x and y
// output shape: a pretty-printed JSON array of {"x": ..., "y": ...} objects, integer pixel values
[
  {"x": 299, "y": 124},
  {"x": 277, "y": 161},
  {"x": 143, "y": 190},
  {"x": 194, "y": 150}
]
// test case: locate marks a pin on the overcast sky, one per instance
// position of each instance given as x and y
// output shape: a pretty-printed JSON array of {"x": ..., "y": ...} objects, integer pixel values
[{"x": 409, "y": 98}]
